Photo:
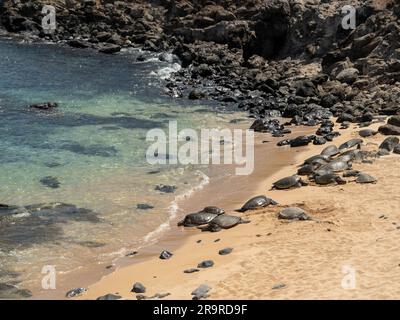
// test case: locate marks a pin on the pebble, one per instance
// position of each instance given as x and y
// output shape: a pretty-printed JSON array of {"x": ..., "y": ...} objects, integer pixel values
[
  {"x": 109, "y": 296},
  {"x": 138, "y": 288},
  {"x": 279, "y": 286},
  {"x": 201, "y": 292},
  {"x": 225, "y": 251},
  {"x": 205, "y": 264},
  {"x": 191, "y": 270},
  {"x": 165, "y": 255},
  {"x": 75, "y": 292}
]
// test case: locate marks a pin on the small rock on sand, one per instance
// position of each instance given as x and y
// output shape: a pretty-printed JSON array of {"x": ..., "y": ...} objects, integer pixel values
[
  {"x": 225, "y": 251},
  {"x": 109, "y": 296},
  {"x": 191, "y": 270},
  {"x": 205, "y": 264},
  {"x": 138, "y": 288},
  {"x": 165, "y": 255},
  {"x": 75, "y": 292},
  {"x": 201, "y": 292},
  {"x": 144, "y": 206},
  {"x": 279, "y": 286}
]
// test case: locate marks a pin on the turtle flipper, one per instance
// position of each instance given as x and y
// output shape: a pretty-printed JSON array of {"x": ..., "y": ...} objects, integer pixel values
[{"x": 244, "y": 221}]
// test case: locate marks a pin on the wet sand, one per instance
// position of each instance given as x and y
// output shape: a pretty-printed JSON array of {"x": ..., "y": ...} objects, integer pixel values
[{"x": 356, "y": 230}]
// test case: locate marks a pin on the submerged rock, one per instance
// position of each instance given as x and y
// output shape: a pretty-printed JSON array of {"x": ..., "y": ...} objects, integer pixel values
[
  {"x": 51, "y": 182},
  {"x": 12, "y": 291},
  {"x": 144, "y": 206},
  {"x": 166, "y": 188},
  {"x": 110, "y": 48},
  {"x": 38, "y": 223},
  {"x": 44, "y": 106}
]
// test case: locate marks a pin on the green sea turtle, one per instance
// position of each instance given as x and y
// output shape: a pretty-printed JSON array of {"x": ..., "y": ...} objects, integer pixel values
[
  {"x": 202, "y": 217},
  {"x": 350, "y": 144},
  {"x": 365, "y": 178},
  {"x": 389, "y": 143},
  {"x": 306, "y": 170},
  {"x": 338, "y": 165},
  {"x": 367, "y": 133},
  {"x": 383, "y": 152},
  {"x": 197, "y": 219},
  {"x": 325, "y": 178},
  {"x": 257, "y": 202},
  {"x": 330, "y": 151},
  {"x": 293, "y": 213},
  {"x": 223, "y": 221},
  {"x": 346, "y": 157},
  {"x": 317, "y": 157},
  {"x": 213, "y": 209},
  {"x": 351, "y": 173},
  {"x": 289, "y": 182},
  {"x": 319, "y": 162},
  {"x": 328, "y": 179}
]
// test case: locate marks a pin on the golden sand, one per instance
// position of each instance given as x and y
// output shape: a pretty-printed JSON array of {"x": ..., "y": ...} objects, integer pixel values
[{"x": 354, "y": 233}]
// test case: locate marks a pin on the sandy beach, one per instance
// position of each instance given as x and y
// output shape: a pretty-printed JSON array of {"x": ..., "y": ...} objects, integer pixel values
[
  {"x": 355, "y": 228},
  {"x": 85, "y": 213}
]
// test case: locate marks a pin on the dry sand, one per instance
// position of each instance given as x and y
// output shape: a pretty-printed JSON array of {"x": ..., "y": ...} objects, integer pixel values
[{"x": 357, "y": 229}]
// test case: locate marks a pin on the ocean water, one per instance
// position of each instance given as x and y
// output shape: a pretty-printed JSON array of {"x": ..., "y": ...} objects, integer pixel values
[{"x": 94, "y": 144}]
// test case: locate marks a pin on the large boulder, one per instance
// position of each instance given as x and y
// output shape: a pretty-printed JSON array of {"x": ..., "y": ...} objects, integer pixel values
[{"x": 348, "y": 76}]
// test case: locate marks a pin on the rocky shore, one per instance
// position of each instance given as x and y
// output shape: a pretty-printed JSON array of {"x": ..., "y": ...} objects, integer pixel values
[
  {"x": 291, "y": 58},
  {"x": 287, "y": 58}
]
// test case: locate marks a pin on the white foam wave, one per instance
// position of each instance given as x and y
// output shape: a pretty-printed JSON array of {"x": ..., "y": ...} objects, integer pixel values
[
  {"x": 174, "y": 208},
  {"x": 165, "y": 72}
]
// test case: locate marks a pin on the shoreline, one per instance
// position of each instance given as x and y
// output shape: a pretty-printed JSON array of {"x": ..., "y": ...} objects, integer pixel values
[
  {"x": 175, "y": 237},
  {"x": 269, "y": 255},
  {"x": 181, "y": 241}
]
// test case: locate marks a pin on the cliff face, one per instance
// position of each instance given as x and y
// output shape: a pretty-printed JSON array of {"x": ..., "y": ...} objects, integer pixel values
[
  {"x": 273, "y": 28},
  {"x": 264, "y": 55}
]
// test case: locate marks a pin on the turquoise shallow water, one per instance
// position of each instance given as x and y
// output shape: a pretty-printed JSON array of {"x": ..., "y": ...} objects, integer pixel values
[{"x": 94, "y": 144}]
